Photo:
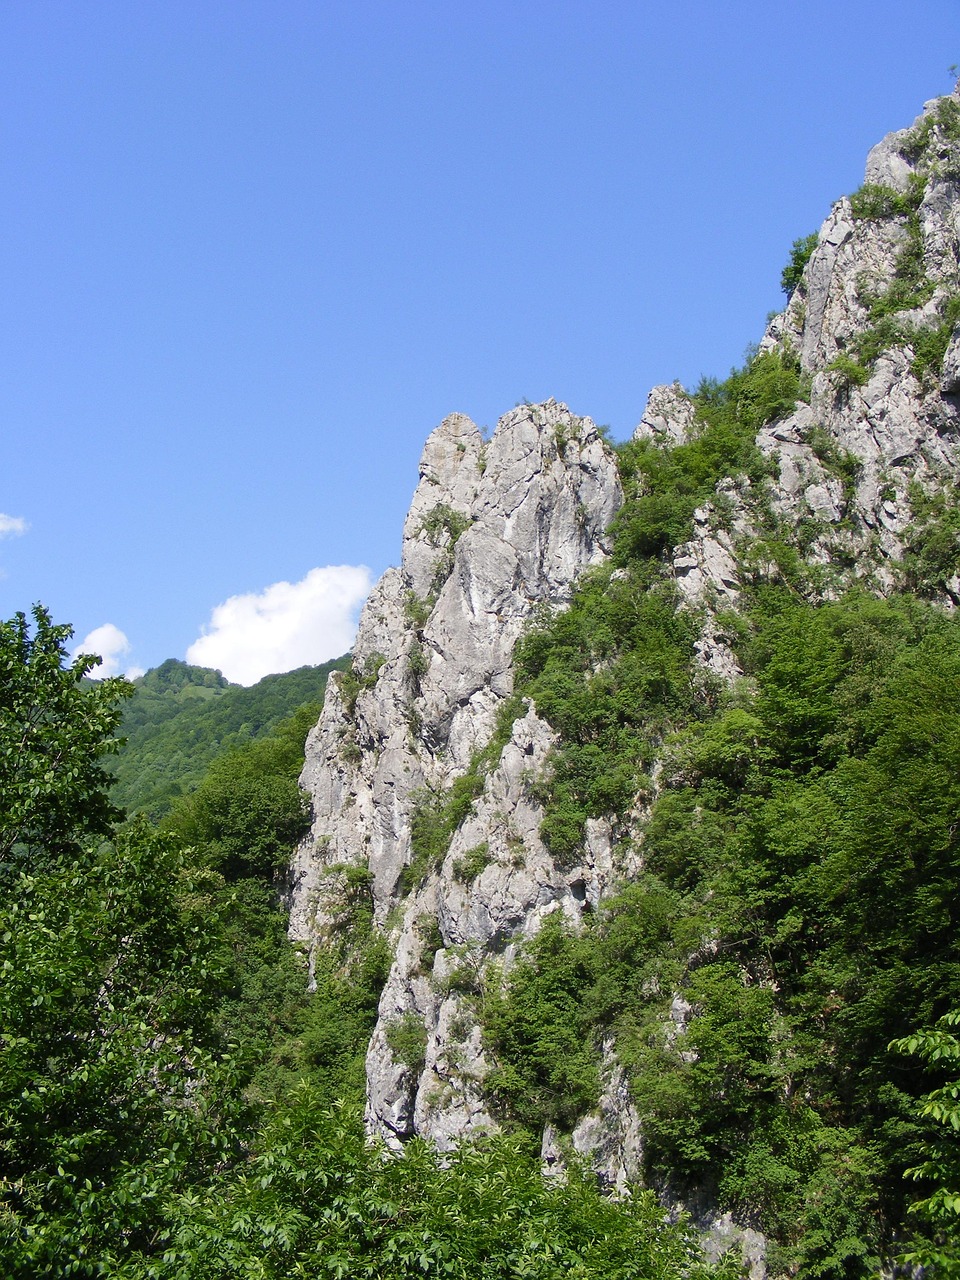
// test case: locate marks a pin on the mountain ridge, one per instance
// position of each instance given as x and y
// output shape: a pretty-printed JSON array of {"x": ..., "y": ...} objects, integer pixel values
[
  {"x": 503, "y": 791},
  {"x": 181, "y": 717}
]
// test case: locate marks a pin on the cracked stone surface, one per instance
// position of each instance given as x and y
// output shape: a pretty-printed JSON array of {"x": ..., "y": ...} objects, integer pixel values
[
  {"x": 433, "y": 657},
  {"x": 498, "y": 528}
]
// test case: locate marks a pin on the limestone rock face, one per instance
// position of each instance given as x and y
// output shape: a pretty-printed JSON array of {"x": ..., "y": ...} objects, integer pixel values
[
  {"x": 499, "y": 528},
  {"x": 494, "y": 888},
  {"x": 496, "y": 528},
  {"x": 668, "y": 417},
  {"x": 859, "y": 255},
  {"x": 610, "y": 1138},
  {"x": 845, "y": 461},
  {"x": 707, "y": 577}
]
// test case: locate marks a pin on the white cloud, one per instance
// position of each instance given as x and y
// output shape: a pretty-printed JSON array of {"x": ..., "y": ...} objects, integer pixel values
[
  {"x": 288, "y": 625},
  {"x": 12, "y": 526},
  {"x": 112, "y": 645}
]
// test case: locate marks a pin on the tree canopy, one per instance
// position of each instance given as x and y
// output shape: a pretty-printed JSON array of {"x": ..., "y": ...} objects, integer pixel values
[
  {"x": 55, "y": 730},
  {"x": 154, "y": 1022}
]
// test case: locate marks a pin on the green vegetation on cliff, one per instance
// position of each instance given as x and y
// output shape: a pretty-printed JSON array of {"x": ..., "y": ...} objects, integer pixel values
[
  {"x": 148, "y": 1128},
  {"x": 799, "y": 892},
  {"x": 778, "y": 973},
  {"x": 169, "y": 1087},
  {"x": 797, "y": 908}
]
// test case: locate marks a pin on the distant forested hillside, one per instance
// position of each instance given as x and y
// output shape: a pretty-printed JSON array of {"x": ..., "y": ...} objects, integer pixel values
[{"x": 182, "y": 717}]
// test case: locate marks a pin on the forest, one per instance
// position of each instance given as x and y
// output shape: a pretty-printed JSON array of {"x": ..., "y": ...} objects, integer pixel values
[
  {"x": 177, "y": 1103},
  {"x": 181, "y": 717},
  {"x": 174, "y": 1103},
  {"x": 182, "y": 1088}
]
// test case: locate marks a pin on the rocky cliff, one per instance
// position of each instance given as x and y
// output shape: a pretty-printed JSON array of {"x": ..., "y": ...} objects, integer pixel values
[
  {"x": 496, "y": 530},
  {"x": 500, "y": 530}
]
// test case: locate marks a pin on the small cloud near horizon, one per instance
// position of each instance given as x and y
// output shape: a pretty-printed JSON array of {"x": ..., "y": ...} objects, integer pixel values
[
  {"x": 284, "y": 626},
  {"x": 112, "y": 645}
]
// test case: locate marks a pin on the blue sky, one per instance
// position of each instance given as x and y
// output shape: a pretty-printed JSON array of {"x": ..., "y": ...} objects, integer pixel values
[{"x": 253, "y": 252}]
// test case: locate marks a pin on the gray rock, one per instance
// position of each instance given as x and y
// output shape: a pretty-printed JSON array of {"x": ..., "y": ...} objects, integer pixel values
[
  {"x": 894, "y": 429},
  {"x": 611, "y": 1138},
  {"x": 887, "y": 166},
  {"x": 668, "y": 418},
  {"x": 495, "y": 530},
  {"x": 721, "y": 1234},
  {"x": 501, "y": 528},
  {"x": 950, "y": 380},
  {"x": 708, "y": 580}
]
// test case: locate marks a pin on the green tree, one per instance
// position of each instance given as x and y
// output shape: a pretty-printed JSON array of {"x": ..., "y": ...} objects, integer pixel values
[
  {"x": 539, "y": 1028},
  {"x": 319, "y": 1199},
  {"x": 248, "y": 812},
  {"x": 800, "y": 254},
  {"x": 939, "y": 1172},
  {"x": 110, "y": 1085},
  {"x": 55, "y": 730},
  {"x": 112, "y": 1091},
  {"x": 181, "y": 719},
  {"x": 242, "y": 823}
]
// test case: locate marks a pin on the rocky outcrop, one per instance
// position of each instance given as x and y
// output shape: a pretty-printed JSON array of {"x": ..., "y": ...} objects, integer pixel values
[
  {"x": 668, "y": 418},
  {"x": 882, "y": 281},
  {"x": 501, "y": 528},
  {"x": 882, "y": 275},
  {"x": 610, "y": 1138},
  {"x": 496, "y": 529}
]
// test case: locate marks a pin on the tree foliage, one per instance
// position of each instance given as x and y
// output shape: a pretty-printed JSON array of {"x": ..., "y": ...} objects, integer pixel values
[
  {"x": 248, "y": 811},
  {"x": 182, "y": 718},
  {"x": 800, "y": 254},
  {"x": 113, "y": 1090},
  {"x": 318, "y": 1198},
  {"x": 55, "y": 730},
  {"x": 797, "y": 908},
  {"x": 939, "y": 1172},
  {"x": 153, "y": 1022},
  {"x": 799, "y": 899}
]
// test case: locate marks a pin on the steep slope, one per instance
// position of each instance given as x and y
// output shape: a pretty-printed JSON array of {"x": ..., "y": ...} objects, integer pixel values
[
  {"x": 495, "y": 529},
  {"x": 455, "y": 771},
  {"x": 874, "y": 324},
  {"x": 182, "y": 717}
]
